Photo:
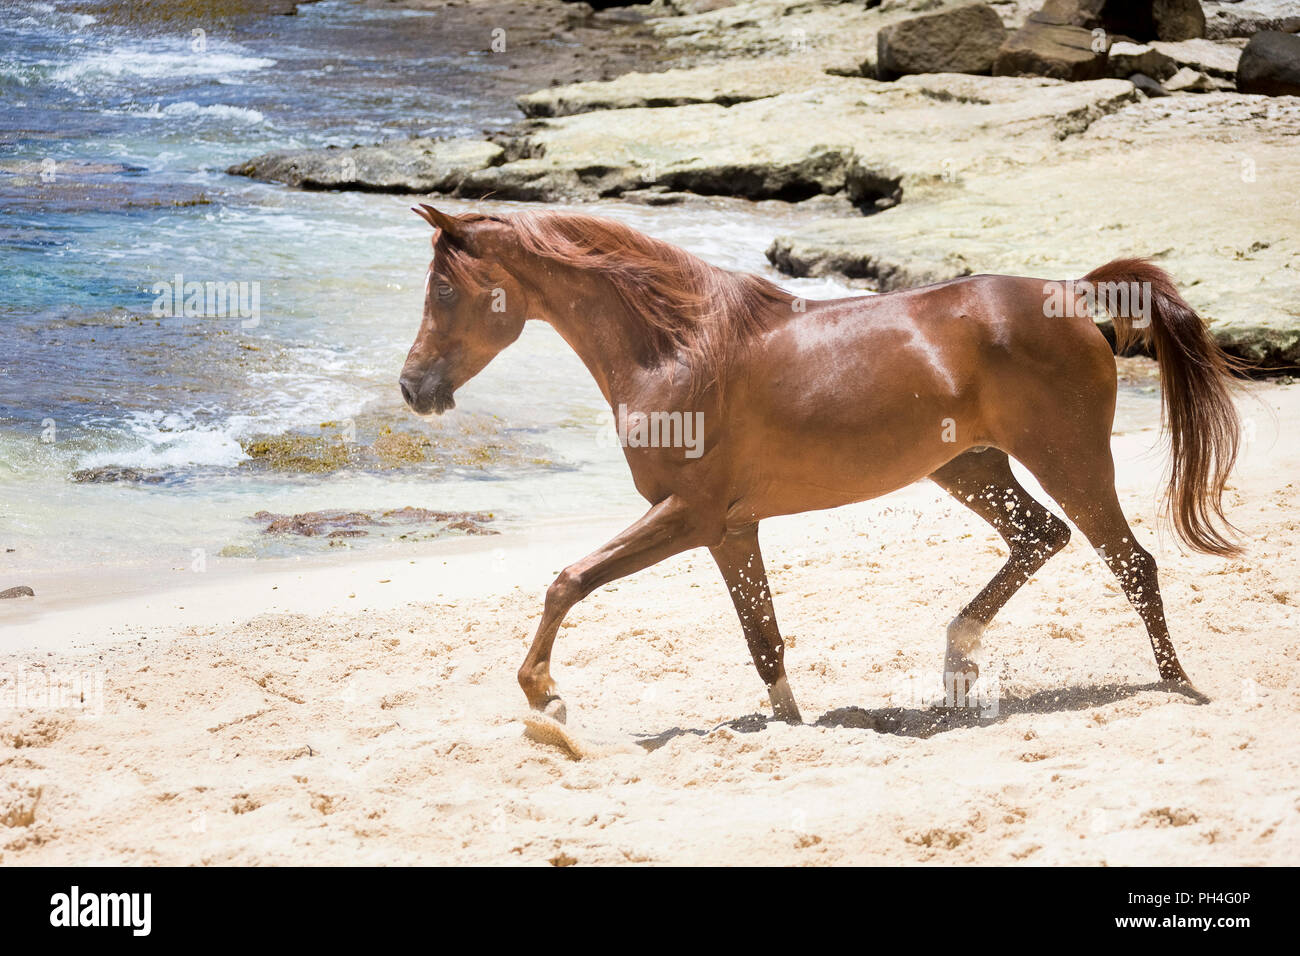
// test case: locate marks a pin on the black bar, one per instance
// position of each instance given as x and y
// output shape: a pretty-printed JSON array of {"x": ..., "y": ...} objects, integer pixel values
[{"x": 228, "y": 905}]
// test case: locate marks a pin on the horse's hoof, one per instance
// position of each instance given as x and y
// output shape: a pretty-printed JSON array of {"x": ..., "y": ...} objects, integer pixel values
[
  {"x": 960, "y": 674},
  {"x": 1181, "y": 685},
  {"x": 783, "y": 706},
  {"x": 965, "y": 667},
  {"x": 555, "y": 709}
]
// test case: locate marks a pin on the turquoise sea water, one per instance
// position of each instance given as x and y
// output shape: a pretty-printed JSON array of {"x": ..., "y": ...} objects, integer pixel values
[{"x": 113, "y": 146}]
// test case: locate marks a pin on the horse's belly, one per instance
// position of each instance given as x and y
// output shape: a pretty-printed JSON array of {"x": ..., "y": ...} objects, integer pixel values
[
  {"x": 832, "y": 484},
  {"x": 840, "y": 455}
]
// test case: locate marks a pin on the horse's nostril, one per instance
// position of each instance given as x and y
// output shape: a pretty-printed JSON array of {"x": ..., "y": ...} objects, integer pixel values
[{"x": 408, "y": 394}]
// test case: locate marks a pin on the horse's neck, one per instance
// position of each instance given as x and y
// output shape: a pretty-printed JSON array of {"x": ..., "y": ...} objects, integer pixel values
[{"x": 596, "y": 326}]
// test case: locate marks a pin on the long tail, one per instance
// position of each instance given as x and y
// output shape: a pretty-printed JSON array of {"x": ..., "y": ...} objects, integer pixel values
[{"x": 1197, "y": 408}]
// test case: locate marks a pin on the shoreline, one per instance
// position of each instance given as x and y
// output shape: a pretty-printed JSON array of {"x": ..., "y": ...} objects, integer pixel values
[
  {"x": 92, "y": 603},
  {"x": 104, "y": 605}
]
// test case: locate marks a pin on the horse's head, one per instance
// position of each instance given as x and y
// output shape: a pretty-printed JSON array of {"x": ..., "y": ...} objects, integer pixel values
[{"x": 473, "y": 308}]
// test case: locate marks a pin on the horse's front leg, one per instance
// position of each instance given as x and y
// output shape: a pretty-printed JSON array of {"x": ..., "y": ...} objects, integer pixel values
[
  {"x": 668, "y": 528},
  {"x": 741, "y": 564}
]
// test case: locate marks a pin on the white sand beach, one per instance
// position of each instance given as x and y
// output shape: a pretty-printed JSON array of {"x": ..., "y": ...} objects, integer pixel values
[{"x": 367, "y": 711}]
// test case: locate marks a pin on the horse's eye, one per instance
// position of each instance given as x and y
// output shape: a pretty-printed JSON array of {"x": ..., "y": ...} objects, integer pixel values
[{"x": 445, "y": 291}]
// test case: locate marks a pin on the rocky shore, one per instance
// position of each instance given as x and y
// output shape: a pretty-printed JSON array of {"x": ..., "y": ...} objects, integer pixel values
[{"x": 954, "y": 138}]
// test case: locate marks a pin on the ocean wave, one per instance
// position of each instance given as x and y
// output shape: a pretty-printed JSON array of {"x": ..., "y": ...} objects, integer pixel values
[
  {"x": 169, "y": 440},
  {"x": 47, "y": 15},
  {"x": 149, "y": 64},
  {"x": 188, "y": 109},
  {"x": 12, "y": 74}
]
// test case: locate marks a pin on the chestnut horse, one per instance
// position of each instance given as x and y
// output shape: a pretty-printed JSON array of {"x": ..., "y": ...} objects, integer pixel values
[{"x": 811, "y": 405}]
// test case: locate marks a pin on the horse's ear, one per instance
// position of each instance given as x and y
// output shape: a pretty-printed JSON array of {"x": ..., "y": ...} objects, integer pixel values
[{"x": 455, "y": 230}]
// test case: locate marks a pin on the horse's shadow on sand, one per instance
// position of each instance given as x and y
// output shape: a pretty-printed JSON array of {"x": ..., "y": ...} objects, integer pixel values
[{"x": 929, "y": 721}]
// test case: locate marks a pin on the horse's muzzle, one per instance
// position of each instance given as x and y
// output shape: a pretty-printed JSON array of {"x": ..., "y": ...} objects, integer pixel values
[{"x": 427, "y": 393}]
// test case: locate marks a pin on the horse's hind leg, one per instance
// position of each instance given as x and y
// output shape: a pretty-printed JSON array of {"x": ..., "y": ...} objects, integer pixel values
[
  {"x": 983, "y": 481},
  {"x": 741, "y": 564},
  {"x": 1082, "y": 479}
]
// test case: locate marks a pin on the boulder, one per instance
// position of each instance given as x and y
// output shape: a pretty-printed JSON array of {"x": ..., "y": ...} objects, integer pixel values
[
  {"x": 1137, "y": 19},
  {"x": 1178, "y": 19},
  {"x": 1061, "y": 51},
  {"x": 961, "y": 40},
  {"x": 401, "y": 166},
  {"x": 1270, "y": 64},
  {"x": 1126, "y": 58}
]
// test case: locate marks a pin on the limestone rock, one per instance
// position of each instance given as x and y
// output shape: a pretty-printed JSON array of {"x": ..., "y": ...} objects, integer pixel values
[
  {"x": 1062, "y": 51},
  {"x": 1188, "y": 80},
  {"x": 961, "y": 40},
  {"x": 410, "y": 165},
  {"x": 1214, "y": 57}
]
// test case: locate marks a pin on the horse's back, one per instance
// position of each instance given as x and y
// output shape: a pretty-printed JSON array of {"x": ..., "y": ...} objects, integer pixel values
[{"x": 880, "y": 391}]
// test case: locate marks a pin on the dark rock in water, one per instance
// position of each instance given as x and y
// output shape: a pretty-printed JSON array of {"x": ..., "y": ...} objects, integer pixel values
[
  {"x": 300, "y": 453},
  {"x": 961, "y": 40},
  {"x": 1147, "y": 85},
  {"x": 105, "y": 474},
  {"x": 337, "y": 446},
  {"x": 21, "y": 590},
  {"x": 311, "y": 523},
  {"x": 1061, "y": 51},
  {"x": 1270, "y": 64},
  {"x": 410, "y": 515},
  {"x": 1139, "y": 19},
  {"x": 337, "y": 523}
]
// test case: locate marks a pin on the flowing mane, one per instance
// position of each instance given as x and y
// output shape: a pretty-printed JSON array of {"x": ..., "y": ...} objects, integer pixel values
[{"x": 682, "y": 305}]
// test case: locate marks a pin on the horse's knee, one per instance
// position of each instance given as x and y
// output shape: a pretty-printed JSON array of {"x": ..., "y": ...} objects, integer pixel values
[{"x": 566, "y": 590}]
